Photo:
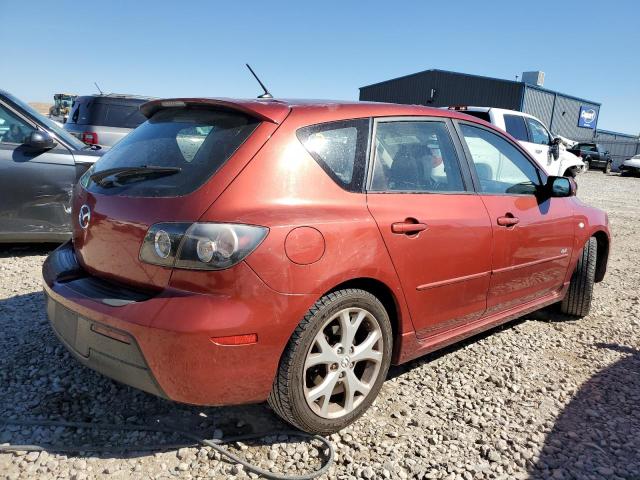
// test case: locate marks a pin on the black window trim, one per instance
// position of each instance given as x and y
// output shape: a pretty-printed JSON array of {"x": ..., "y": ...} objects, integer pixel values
[
  {"x": 542, "y": 176},
  {"x": 462, "y": 164},
  {"x": 360, "y": 165}
]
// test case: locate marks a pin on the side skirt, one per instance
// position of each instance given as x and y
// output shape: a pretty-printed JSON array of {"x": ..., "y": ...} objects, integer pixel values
[{"x": 410, "y": 347}]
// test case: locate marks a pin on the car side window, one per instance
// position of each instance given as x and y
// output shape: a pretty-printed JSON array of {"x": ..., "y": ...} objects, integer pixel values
[
  {"x": 12, "y": 128},
  {"x": 514, "y": 124},
  {"x": 340, "y": 148},
  {"x": 415, "y": 157},
  {"x": 539, "y": 133},
  {"x": 501, "y": 168}
]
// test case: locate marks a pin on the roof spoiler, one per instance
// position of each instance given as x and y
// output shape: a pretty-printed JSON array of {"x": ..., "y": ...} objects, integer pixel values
[{"x": 268, "y": 111}]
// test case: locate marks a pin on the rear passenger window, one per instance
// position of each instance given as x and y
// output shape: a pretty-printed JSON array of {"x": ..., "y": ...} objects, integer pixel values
[
  {"x": 340, "y": 149},
  {"x": 516, "y": 127},
  {"x": 415, "y": 157}
]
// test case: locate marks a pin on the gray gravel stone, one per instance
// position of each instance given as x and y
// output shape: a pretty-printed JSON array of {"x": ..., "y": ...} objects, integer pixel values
[{"x": 542, "y": 397}]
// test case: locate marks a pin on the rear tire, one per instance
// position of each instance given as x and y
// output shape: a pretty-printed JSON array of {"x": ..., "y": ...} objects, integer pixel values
[
  {"x": 321, "y": 385},
  {"x": 577, "y": 301}
]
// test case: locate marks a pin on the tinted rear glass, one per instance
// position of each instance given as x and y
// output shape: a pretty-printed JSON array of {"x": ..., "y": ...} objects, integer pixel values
[
  {"x": 340, "y": 149},
  {"x": 481, "y": 115},
  {"x": 106, "y": 112},
  {"x": 515, "y": 127},
  {"x": 197, "y": 141}
]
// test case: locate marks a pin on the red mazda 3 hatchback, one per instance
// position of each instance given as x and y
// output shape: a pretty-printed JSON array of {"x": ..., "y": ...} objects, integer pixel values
[{"x": 232, "y": 251}]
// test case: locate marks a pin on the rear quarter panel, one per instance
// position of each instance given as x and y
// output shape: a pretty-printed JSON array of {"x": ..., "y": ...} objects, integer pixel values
[{"x": 283, "y": 188}]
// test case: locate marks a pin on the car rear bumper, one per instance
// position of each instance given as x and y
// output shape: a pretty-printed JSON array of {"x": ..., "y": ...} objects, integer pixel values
[
  {"x": 93, "y": 344},
  {"x": 161, "y": 342}
]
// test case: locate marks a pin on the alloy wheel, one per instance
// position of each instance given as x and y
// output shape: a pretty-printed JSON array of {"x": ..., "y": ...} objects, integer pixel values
[{"x": 343, "y": 363}]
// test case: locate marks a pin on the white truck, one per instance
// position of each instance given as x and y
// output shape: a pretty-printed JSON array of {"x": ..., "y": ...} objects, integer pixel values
[{"x": 550, "y": 151}]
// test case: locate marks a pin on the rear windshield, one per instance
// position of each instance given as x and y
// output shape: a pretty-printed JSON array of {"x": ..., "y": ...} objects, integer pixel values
[
  {"x": 196, "y": 141},
  {"x": 481, "y": 115},
  {"x": 106, "y": 113}
]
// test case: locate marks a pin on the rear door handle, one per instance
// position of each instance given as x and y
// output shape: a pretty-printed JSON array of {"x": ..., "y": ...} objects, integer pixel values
[
  {"x": 508, "y": 221},
  {"x": 408, "y": 228}
]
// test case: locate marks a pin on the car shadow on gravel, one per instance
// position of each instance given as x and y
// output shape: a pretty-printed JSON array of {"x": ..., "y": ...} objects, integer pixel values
[
  {"x": 8, "y": 250},
  {"x": 40, "y": 380},
  {"x": 598, "y": 433},
  {"x": 397, "y": 370}
]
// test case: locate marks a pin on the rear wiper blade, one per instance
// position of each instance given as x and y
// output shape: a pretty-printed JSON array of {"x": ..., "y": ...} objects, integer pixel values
[{"x": 143, "y": 170}]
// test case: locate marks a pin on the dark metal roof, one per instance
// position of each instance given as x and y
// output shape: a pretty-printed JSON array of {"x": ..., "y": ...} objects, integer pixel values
[{"x": 503, "y": 80}]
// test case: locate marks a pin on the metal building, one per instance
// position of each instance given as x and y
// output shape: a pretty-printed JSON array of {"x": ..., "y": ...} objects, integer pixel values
[{"x": 565, "y": 115}]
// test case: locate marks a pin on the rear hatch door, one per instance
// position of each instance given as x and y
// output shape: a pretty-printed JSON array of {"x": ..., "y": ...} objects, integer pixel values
[{"x": 184, "y": 156}]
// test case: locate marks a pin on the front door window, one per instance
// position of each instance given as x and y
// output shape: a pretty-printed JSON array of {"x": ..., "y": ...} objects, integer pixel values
[{"x": 13, "y": 130}]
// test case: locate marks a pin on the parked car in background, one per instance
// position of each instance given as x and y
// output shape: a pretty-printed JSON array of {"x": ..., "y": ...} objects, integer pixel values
[
  {"x": 550, "y": 151},
  {"x": 631, "y": 166},
  {"x": 39, "y": 164},
  {"x": 237, "y": 251},
  {"x": 104, "y": 119},
  {"x": 593, "y": 155}
]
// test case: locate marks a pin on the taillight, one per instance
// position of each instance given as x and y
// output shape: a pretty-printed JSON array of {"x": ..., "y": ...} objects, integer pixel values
[
  {"x": 200, "y": 246},
  {"x": 90, "y": 137}
]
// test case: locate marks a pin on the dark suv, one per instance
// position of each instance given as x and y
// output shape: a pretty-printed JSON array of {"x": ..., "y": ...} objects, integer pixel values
[
  {"x": 104, "y": 119},
  {"x": 593, "y": 155}
]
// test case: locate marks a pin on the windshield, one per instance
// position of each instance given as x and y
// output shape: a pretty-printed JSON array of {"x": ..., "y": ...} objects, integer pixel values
[
  {"x": 59, "y": 132},
  {"x": 192, "y": 142}
]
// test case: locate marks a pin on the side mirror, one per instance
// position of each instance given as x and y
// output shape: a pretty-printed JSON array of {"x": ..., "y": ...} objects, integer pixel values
[
  {"x": 560, "y": 187},
  {"x": 554, "y": 150},
  {"x": 39, "y": 141}
]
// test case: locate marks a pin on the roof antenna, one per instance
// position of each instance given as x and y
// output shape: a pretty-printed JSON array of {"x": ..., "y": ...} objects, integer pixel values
[
  {"x": 266, "y": 93},
  {"x": 96, "y": 84}
]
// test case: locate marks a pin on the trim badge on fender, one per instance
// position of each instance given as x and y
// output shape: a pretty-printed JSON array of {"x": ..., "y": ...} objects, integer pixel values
[{"x": 84, "y": 216}]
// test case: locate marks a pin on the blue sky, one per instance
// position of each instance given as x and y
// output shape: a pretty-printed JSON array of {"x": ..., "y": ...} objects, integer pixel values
[{"x": 321, "y": 49}]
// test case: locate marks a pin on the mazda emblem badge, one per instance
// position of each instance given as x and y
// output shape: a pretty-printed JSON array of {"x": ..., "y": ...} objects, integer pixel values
[{"x": 84, "y": 216}]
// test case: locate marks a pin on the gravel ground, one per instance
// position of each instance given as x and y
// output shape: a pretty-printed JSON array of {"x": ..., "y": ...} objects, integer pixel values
[{"x": 542, "y": 397}]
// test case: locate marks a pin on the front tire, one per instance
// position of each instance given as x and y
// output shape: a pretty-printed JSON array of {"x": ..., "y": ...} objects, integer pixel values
[
  {"x": 335, "y": 362},
  {"x": 577, "y": 301},
  {"x": 607, "y": 168}
]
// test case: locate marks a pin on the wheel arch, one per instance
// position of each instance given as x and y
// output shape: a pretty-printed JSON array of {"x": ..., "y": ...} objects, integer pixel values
[
  {"x": 602, "y": 254},
  {"x": 382, "y": 292}
]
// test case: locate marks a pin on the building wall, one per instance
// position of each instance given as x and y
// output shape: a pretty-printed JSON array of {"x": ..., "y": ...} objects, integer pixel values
[
  {"x": 565, "y": 118},
  {"x": 539, "y": 104},
  {"x": 559, "y": 112},
  {"x": 621, "y": 146},
  {"x": 450, "y": 89}
]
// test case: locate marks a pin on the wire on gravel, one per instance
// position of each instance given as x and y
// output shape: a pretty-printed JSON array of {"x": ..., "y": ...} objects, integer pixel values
[{"x": 216, "y": 444}]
